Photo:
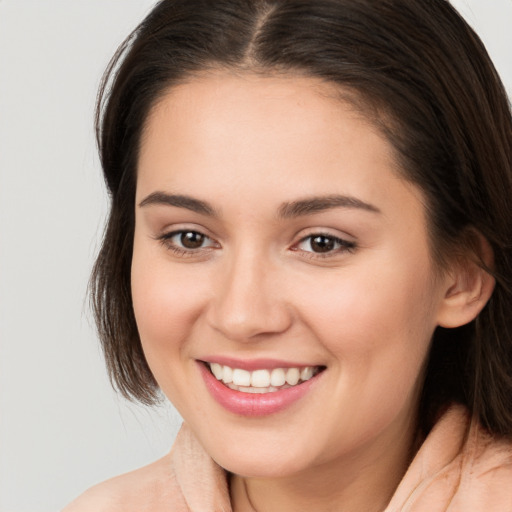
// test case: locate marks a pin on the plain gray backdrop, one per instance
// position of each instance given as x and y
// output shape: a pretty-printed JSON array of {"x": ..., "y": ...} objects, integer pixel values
[{"x": 62, "y": 428}]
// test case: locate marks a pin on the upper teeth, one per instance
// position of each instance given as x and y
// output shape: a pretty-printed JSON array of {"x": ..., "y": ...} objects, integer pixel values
[{"x": 262, "y": 378}]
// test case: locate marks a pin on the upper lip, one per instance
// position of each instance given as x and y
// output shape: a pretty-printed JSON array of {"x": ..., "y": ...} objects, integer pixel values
[{"x": 255, "y": 364}]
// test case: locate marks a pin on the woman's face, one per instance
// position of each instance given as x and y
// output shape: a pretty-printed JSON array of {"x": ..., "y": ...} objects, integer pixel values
[{"x": 276, "y": 240}]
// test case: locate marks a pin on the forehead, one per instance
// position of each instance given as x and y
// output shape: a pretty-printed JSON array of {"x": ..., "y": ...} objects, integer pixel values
[{"x": 283, "y": 129}]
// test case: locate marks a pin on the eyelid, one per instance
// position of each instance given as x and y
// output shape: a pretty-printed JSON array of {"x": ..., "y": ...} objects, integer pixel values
[{"x": 323, "y": 231}]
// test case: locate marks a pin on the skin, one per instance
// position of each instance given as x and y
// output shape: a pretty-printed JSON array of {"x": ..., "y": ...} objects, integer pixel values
[{"x": 366, "y": 310}]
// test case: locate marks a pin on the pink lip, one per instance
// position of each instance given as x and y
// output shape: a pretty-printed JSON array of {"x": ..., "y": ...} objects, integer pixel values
[{"x": 249, "y": 404}]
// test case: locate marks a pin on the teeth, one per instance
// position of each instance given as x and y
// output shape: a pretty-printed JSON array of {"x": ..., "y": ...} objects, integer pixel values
[
  {"x": 306, "y": 373},
  {"x": 277, "y": 377},
  {"x": 227, "y": 374},
  {"x": 262, "y": 381},
  {"x": 217, "y": 370},
  {"x": 292, "y": 376},
  {"x": 250, "y": 389},
  {"x": 241, "y": 377}
]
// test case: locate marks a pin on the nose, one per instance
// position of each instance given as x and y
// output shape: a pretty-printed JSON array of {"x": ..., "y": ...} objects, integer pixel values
[{"x": 249, "y": 299}]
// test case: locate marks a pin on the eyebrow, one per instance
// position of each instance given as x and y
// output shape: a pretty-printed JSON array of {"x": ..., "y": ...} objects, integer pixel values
[
  {"x": 299, "y": 208},
  {"x": 180, "y": 201},
  {"x": 312, "y": 205}
]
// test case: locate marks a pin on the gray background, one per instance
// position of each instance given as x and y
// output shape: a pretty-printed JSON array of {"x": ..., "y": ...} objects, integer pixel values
[{"x": 62, "y": 428}]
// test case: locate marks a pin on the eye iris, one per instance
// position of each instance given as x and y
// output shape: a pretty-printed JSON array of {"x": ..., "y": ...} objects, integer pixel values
[
  {"x": 322, "y": 243},
  {"x": 192, "y": 240}
]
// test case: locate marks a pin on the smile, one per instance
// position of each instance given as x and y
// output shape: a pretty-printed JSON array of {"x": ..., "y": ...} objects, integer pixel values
[
  {"x": 262, "y": 380},
  {"x": 256, "y": 390}
]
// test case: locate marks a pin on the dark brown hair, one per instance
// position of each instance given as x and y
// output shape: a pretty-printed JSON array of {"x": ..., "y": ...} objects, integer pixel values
[{"x": 427, "y": 77}]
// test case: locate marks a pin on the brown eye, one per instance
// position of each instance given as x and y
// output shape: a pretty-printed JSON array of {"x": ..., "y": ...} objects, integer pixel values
[
  {"x": 191, "y": 239},
  {"x": 322, "y": 243},
  {"x": 187, "y": 241}
]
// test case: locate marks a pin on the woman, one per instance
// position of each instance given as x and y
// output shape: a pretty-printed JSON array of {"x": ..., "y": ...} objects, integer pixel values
[{"x": 309, "y": 253}]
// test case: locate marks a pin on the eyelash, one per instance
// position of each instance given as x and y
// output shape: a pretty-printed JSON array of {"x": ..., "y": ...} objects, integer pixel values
[{"x": 343, "y": 245}]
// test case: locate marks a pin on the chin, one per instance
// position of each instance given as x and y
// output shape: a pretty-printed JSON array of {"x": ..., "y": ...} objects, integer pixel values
[
  {"x": 256, "y": 466},
  {"x": 260, "y": 459}
]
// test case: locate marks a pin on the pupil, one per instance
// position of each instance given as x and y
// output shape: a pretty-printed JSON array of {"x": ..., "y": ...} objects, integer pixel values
[
  {"x": 322, "y": 244},
  {"x": 192, "y": 240}
]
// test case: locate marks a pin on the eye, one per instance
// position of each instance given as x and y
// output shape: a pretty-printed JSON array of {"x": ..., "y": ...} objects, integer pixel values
[
  {"x": 324, "y": 244},
  {"x": 186, "y": 241},
  {"x": 189, "y": 239}
]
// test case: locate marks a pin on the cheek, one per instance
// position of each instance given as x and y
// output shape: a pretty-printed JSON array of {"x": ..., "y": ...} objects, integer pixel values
[
  {"x": 368, "y": 304},
  {"x": 376, "y": 322},
  {"x": 377, "y": 328},
  {"x": 167, "y": 299}
]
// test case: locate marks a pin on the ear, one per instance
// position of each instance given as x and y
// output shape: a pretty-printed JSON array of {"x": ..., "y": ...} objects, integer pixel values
[{"x": 468, "y": 283}]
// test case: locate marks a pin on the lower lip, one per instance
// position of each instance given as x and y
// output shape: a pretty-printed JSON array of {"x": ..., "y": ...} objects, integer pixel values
[{"x": 254, "y": 404}]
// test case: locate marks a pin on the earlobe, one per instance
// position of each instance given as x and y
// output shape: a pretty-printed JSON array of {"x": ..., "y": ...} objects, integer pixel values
[{"x": 469, "y": 285}]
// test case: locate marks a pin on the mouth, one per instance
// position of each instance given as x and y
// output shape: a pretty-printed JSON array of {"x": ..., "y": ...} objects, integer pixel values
[
  {"x": 260, "y": 388},
  {"x": 262, "y": 380}
]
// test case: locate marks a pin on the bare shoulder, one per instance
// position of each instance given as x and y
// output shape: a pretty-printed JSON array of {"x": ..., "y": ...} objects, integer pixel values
[{"x": 151, "y": 488}]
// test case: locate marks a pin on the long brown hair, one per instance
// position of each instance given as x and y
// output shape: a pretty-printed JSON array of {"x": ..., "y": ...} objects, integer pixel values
[{"x": 422, "y": 75}]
